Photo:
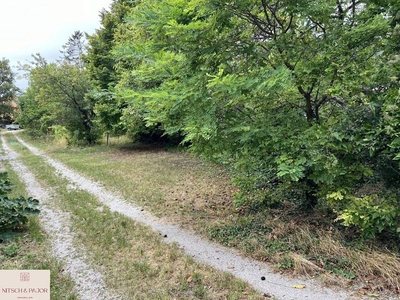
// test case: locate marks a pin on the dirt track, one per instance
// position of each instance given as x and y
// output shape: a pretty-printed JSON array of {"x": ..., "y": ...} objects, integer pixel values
[{"x": 55, "y": 223}]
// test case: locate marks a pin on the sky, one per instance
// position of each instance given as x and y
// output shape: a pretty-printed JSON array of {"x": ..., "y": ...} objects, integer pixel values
[{"x": 43, "y": 26}]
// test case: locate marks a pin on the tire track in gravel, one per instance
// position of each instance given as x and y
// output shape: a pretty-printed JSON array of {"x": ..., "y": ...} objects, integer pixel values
[
  {"x": 217, "y": 256},
  {"x": 89, "y": 283}
]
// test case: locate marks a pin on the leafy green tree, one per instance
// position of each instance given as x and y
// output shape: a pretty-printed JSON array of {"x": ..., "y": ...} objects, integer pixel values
[
  {"x": 289, "y": 95},
  {"x": 33, "y": 116},
  {"x": 74, "y": 50},
  {"x": 100, "y": 64},
  {"x": 8, "y": 91},
  {"x": 59, "y": 92},
  {"x": 332, "y": 50}
]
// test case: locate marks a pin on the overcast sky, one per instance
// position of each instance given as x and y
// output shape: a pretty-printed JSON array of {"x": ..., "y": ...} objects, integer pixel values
[{"x": 43, "y": 26}]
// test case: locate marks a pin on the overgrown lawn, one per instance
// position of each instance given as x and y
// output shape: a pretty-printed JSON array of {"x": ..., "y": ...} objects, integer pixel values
[
  {"x": 198, "y": 196},
  {"x": 134, "y": 260}
]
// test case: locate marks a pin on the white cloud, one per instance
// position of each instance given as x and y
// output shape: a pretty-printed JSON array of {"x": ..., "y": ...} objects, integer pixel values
[{"x": 43, "y": 26}]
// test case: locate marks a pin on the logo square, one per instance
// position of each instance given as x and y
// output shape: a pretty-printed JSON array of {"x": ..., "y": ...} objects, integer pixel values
[{"x": 25, "y": 276}]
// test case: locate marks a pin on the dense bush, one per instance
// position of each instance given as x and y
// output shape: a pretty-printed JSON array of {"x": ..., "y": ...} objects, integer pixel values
[
  {"x": 14, "y": 212},
  {"x": 298, "y": 100}
]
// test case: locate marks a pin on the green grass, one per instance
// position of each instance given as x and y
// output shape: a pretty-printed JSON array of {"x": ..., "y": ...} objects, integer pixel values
[
  {"x": 171, "y": 184},
  {"x": 133, "y": 258}
]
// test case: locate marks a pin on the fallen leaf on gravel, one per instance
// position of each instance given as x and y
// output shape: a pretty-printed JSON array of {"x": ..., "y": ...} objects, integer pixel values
[
  {"x": 299, "y": 286},
  {"x": 373, "y": 295}
]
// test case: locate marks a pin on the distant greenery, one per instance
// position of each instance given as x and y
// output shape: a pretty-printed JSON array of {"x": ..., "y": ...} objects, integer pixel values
[
  {"x": 8, "y": 91},
  {"x": 299, "y": 100},
  {"x": 56, "y": 100}
]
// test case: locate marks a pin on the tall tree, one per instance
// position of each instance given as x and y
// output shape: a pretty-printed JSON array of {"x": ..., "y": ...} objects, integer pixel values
[
  {"x": 101, "y": 65},
  {"x": 60, "y": 89},
  {"x": 8, "y": 90},
  {"x": 100, "y": 61},
  {"x": 285, "y": 92},
  {"x": 74, "y": 49}
]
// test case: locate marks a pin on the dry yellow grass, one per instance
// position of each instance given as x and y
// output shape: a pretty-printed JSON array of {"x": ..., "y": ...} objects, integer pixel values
[{"x": 376, "y": 269}]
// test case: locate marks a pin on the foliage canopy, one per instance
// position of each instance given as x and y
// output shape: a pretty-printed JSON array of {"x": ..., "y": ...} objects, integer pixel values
[
  {"x": 299, "y": 99},
  {"x": 56, "y": 100}
]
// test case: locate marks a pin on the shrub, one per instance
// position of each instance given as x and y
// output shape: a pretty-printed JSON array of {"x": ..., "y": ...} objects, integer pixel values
[
  {"x": 14, "y": 212},
  {"x": 373, "y": 214}
]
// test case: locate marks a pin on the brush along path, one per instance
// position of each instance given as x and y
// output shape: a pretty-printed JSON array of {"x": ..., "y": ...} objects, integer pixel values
[
  {"x": 88, "y": 281},
  {"x": 257, "y": 274}
]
